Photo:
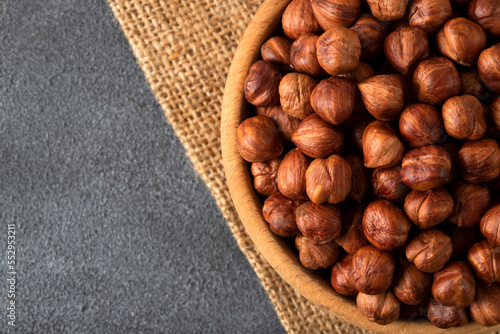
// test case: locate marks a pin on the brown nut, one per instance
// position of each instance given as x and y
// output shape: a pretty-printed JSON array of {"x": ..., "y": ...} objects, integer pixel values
[
  {"x": 461, "y": 40},
  {"x": 264, "y": 176},
  {"x": 462, "y": 239},
  {"x": 472, "y": 85},
  {"x": 295, "y": 94},
  {"x": 381, "y": 146},
  {"x": 443, "y": 316},
  {"x": 285, "y": 124},
  {"x": 292, "y": 174},
  {"x": 495, "y": 111},
  {"x": 429, "y": 15},
  {"x": 335, "y": 13},
  {"x": 333, "y": 99},
  {"x": 338, "y": 50},
  {"x": 354, "y": 128},
  {"x": 454, "y": 285},
  {"x": 387, "y": 184},
  {"x": 382, "y": 308},
  {"x": 428, "y": 208},
  {"x": 258, "y": 139},
  {"x": 463, "y": 117},
  {"x": 319, "y": 223},
  {"x": 451, "y": 146},
  {"x": 371, "y": 33},
  {"x": 479, "y": 161},
  {"x": 341, "y": 277},
  {"x": 435, "y": 80},
  {"x": 328, "y": 180},
  {"x": 303, "y": 55},
  {"x": 352, "y": 236},
  {"x": 372, "y": 270},
  {"x": 405, "y": 48},
  {"x": 298, "y": 18},
  {"x": 490, "y": 225},
  {"x": 411, "y": 286},
  {"x": 262, "y": 83},
  {"x": 388, "y": 10},
  {"x": 362, "y": 72},
  {"x": 429, "y": 250},
  {"x": 487, "y": 14},
  {"x": 317, "y": 138},
  {"x": 420, "y": 125},
  {"x": 485, "y": 309},
  {"x": 314, "y": 256},
  {"x": 488, "y": 66},
  {"x": 426, "y": 168},
  {"x": 470, "y": 203},
  {"x": 485, "y": 261},
  {"x": 277, "y": 50},
  {"x": 279, "y": 212},
  {"x": 385, "y": 225},
  {"x": 383, "y": 96},
  {"x": 360, "y": 185}
]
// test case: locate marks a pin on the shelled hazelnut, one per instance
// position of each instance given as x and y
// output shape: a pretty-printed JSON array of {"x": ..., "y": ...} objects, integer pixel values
[
  {"x": 470, "y": 203},
  {"x": 490, "y": 225},
  {"x": 360, "y": 180},
  {"x": 383, "y": 96},
  {"x": 335, "y": 13},
  {"x": 333, "y": 99},
  {"x": 388, "y": 10},
  {"x": 328, "y": 180},
  {"x": 338, "y": 50},
  {"x": 429, "y": 250},
  {"x": 479, "y": 161},
  {"x": 428, "y": 208},
  {"x": 487, "y": 14},
  {"x": 318, "y": 223},
  {"x": 298, "y": 18},
  {"x": 277, "y": 51},
  {"x": 279, "y": 212},
  {"x": 264, "y": 176},
  {"x": 405, "y": 48},
  {"x": 454, "y": 285},
  {"x": 446, "y": 316},
  {"x": 262, "y": 83},
  {"x": 485, "y": 261},
  {"x": 341, "y": 277},
  {"x": 429, "y": 15},
  {"x": 372, "y": 270},
  {"x": 381, "y": 308},
  {"x": 495, "y": 111},
  {"x": 371, "y": 33},
  {"x": 295, "y": 92},
  {"x": 315, "y": 256},
  {"x": 472, "y": 85},
  {"x": 352, "y": 237},
  {"x": 381, "y": 146},
  {"x": 411, "y": 286},
  {"x": 485, "y": 309},
  {"x": 258, "y": 140},
  {"x": 303, "y": 55},
  {"x": 463, "y": 117},
  {"x": 488, "y": 68},
  {"x": 285, "y": 124},
  {"x": 387, "y": 184},
  {"x": 291, "y": 177},
  {"x": 420, "y": 125}
]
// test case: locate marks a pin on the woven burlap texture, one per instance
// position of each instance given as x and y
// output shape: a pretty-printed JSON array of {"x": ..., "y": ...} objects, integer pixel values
[{"x": 185, "y": 49}]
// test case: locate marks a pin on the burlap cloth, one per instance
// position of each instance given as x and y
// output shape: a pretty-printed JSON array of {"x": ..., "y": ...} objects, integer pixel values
[{"x": 185, "y": 48}]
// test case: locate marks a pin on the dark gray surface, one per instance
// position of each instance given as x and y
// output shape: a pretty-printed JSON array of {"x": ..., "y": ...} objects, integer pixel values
[{"x": 115, "y": 232}]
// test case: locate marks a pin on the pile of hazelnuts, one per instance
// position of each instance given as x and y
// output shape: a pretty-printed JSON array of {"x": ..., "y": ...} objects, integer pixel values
[{"x": 375, "y": 141}]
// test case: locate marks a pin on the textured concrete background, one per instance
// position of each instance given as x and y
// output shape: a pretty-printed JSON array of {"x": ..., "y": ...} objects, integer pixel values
[{"x": 114, "y": 231}]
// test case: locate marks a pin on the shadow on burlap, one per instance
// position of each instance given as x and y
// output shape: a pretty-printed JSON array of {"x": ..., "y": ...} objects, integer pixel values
[{"x": 185, "y": 50}]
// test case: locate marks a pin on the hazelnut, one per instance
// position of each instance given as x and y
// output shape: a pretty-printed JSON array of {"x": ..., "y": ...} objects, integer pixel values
[
  {"x": 317, "y": 138},
  {"x": 292, "y": 174},
  {"x": 462, "y": 239},
  {"x": 490, "y": 225},
  {"x": 488, "y": 66},
  {"x": 279, "y": 212},
  {"x": 461, "y": 40},
  {"x": 341, "y": 277},
  {"x": 479, "y": 161},
  {"x": 362, "y": 72},
  {"x": 258, "y": 139},
  {"x": 277, "y": 51},
  {"x": 463, "y": 117},
  {"x": 352, "y": 236},
  {"x": 470, "y": 203},
  {"x": 333, "y": 99},
  {"x": 415, "y": 313},
  {"x": 485, "y": 261},
  {"x": 295, "y": 91},
  {"x": 303, "y": 55},
  {"x": 262, "y": 83},
  {"x": 354, "y": 128},
  {"x": 436, "y": 80},
  {"x": 335, "y": 13},
  {"x": 285, "y": 124},
  {"x": 372, "y": 270},
  {"x": 388, "y": 10},
  {"x": 385, "y": 225},
  {"x": 495, "y": 111},
  {"x": 298, "y": 18},
  {"x": 338, "y": 50},
  {"x": 383, "y": 96},
  {"x": 429, "y": 15},
  {"x": 454, "y": 285},
  {"x": 387, "y": 184},
  {"x": 315, "y": 256},
  {"x": 381, "y": 146},
  {"x": 420, "y": 125},
  {"x": 382, "y": 308},
  {"x": 411, "y": 286},
  {"x": 451, "y": 146},
  {"x": 328, "y": 180},
  {"x": 446, "y": 316},
  {"x": 472, "y": 85},
  {"x": 428, "y": 208},
  {"x": 405, "y": 48},
  {"x": 429, "y": 250},
  {"x": 318, "y": 223},
  {"x": 360, "y": 185},
  {"x": 371, "y": 33},
  {"x": 426, "y": 168},
  {"x": 485, "y": 309},
  {"x": 487, "y": 14},
  {"x": 264, "y": 176}
]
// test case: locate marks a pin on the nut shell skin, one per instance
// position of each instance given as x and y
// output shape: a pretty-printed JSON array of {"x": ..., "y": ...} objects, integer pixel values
[
  {"x": 405, "y": 48},
  {"x": 382, "y": 308},
  {"x": 362, "y": 72},
  {"x": 428, "y": 208},
  {"x": 335, "y": 13},
  {"x": 328, "y": 180},
  {"x": 495, "y": 111},
  {"x": 354, "y": 129},
  {"x": 277, "y": 50},
  {"x": 479, "y": 161},
  {"x": 371, "y": 33},
  {"x": 420, "y": 125},
  {"x": 388, "y": 10},
  {"x": 454, "y": 285},
  {"x": 318, "y": 223},
  {"x": 490, "y": 225},
  {"x": 487, "y": 14},
  {"x": 279, "y": 212},
  {"x": 488, "y": 66},
  {"x": 472, "y": 85},
  {"x": 360, "y": 184},
  {"x": 383, "y": 96},
  {"x": 463, "y": 117},
  {"x": 338, "y": 50},
  {"x": 485, "y": 309},
  {"x": 333, "y": 99},
  {"x": 295, "y": 94},
  {"x": 352, "y": 236},
  {"x": 484, "y": 260},
  {"x": 387, "y": 184},
  {"x": 372, "y": 270},
  {"x": 411, "y": 286},
  {"x": 341, "y": 277},
  {"x": 298, "y": 18},
  {"x": 429, "y": 250},
  {"x": 443, "y": 316},
  {"x": 429, "y": 15},
  {"x": 303, "y": 55},
  {"x": 264, "y": 176},
  {"x": 258, "y": 140},
  {"x": 381, "y": 146},
  {"x": 262, "y": 83},
  {"x": 291, "y": 176},
  {"x": 314, "y": 256},
  {"x": 285, "y": 124},
  {"x": 470, "y": 203},
  {"x": 317, "y": 138}
]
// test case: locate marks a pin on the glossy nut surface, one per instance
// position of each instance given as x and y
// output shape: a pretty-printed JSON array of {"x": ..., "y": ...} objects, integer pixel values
[
  {"x": 335, "y": 13},
  {"x": 371, "y": 33},
  {"x": 429, "y": 15},
  {"x": 372, "y": 270},
  {"x": 338, "y": 50},
  {"x": 488, "y": 69},
  {"x": 490, "y": 225},
  {"x": 387, "y": 184},
  {"x": 388, "y": 10},
  {"x": 484, "y": 260},
  {"x": 443, "y": 316},
  {"x": 277, "y": 51},
  {"x": 428, "y": 208},
  {"x": 411, "y": 286},
  {"x": 381, "y": 146},
  {"x": 295, "y": 94},
  {"x": 420, "y": 125},
  {"x": 279, "y": 212},
  {"x": 328, "y": 180},
  {"x": 485, "y": 309},
  {"x": 429, "y": 250},
  {"x": 470, "y": 203},
  {"x": 333, "y": 99},
  {"x": 479, "y": 161},
  {"x": 454, "y": 285},
  {"x": 382, "y": 308},
  {"x": 319, "y": 223},
  {"x": 258, "y": 139},
  {"x": 303, "y": 55},
  {"x": 383, "y": 96},
  {"x": 264, "y": 176},
  {"x": 341, "y": 277},
  {"x": 352, "y": 236},
  {"x": 291, "y": 176},
  {"x": 315, "y": 256},
  {"x": 405, "y": 48},
  {"x": 262, "y": 84},
  {"x": 285, "y": 124},
  {"x": 463, "y": 117},
  {"x": 298, "y": 18}
]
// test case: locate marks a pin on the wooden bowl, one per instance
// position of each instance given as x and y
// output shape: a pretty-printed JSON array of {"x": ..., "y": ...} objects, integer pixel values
[{"x": 274, "y": 249}]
